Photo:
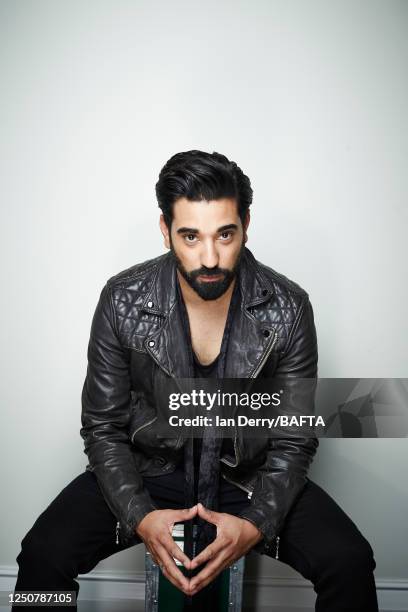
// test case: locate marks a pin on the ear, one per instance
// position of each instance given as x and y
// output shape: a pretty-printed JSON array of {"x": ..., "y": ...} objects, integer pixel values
[
  {"x": 246, "y": 223},
  {"x": 165, "y": 231}
]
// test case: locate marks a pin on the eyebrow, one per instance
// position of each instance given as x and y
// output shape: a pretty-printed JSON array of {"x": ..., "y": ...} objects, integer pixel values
[{"x": 193, "y": 230}]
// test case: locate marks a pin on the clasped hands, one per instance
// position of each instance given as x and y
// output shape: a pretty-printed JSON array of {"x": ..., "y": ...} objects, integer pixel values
[{"x": 235, "y": 537}]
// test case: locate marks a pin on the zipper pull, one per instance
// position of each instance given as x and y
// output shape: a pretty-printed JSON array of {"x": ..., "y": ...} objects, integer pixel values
[
  {"x": 277, "y": 547},
  {"x": 117, "y": 532}
]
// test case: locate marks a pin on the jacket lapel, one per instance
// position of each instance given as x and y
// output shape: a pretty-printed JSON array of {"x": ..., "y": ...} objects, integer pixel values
[{"x": 168, "y": 345}]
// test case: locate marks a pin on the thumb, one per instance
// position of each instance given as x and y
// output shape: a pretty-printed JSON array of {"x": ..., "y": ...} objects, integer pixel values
[
  {"x": 209, "y": 515},
  {"x": 186, "y": 513}
]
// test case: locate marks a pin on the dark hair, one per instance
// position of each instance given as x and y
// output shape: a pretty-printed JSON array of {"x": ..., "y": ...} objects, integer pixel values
[{"x": 197, "y": 175}]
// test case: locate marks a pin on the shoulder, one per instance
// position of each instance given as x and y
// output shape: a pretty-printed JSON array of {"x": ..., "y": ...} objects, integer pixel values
[
  {"x": 128, "y": 288},
  {"x": 136, "y": 278},
  {"x": 136, "y": 272},
  {"x": 287, "y": 303},
  {"x": 126, "y": 292},
  {"x": 281, "y": 284}
]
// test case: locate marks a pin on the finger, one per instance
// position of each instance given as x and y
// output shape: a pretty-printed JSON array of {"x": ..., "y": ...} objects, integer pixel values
[
  {"x": 213, "y": 549},
  {"x": 175, "y": 551},
  {"x": 171, "y": 571},
  {"x": 211, "y": 570},
  {"x": 153, "y": 549},
  {"x": 175, "y": 582},
  {"x": 209, "y": 515},
  {"x": 183, "y": 514}
]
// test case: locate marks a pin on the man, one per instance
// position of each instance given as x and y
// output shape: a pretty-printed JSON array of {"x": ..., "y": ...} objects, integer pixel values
[{"x": 205, "y": 308}]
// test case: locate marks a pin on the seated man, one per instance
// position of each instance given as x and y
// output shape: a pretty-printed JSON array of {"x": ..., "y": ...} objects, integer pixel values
[{"x": 207, "y": 308}]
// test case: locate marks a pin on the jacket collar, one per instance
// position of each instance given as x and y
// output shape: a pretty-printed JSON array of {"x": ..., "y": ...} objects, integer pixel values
[{"x": 250, "y": 341}]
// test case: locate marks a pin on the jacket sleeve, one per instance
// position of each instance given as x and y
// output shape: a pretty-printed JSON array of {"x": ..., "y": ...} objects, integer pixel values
[
  {"x": 283, "y": 475},
  {"x": 104, "y": 417}
]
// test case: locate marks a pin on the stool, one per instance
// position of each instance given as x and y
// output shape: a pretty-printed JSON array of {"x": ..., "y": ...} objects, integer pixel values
[{"x": 162, "y": 596}]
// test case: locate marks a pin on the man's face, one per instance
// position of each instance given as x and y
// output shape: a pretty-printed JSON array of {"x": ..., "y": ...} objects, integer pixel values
[{"x": 207, "y": 240}]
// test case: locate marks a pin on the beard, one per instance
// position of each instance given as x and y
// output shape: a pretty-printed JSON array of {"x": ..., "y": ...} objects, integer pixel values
[{"x": 211, "y": 290}]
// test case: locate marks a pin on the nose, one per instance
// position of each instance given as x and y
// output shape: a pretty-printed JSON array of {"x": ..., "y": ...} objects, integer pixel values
[{"x": 209, "y": 256}]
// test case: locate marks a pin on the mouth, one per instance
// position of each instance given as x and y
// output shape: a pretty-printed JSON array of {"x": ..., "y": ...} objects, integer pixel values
[{"x": 210, "y": 279}]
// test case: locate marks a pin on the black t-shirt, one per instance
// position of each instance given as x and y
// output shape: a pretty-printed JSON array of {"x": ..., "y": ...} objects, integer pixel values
[
  {"x": 207, "y": 371},
  {"x": 202, "y": 371}
]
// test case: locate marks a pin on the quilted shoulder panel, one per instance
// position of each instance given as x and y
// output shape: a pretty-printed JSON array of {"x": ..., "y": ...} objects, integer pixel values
[
  {"x": 281, "y": 310},
  {"x": 129, "y": 288}
]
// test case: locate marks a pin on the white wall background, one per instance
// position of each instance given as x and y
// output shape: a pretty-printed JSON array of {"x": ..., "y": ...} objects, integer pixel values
[{"x": 310, "y": 99}]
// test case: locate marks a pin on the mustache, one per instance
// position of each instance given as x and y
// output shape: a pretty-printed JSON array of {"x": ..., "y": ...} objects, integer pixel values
[{"x": 206, "y": 272}]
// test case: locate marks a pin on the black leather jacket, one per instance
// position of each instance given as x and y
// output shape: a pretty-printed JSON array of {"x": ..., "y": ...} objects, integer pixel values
[{"x": 136, "y": 338}]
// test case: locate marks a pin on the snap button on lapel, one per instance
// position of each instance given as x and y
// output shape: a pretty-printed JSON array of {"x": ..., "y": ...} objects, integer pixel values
[
  {"x": 266, "y": 333},
  {"x": 150, "y": 304},
  {"x": 151, "y": 342}
]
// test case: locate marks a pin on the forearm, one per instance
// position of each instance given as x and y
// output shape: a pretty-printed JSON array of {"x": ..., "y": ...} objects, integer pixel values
[
  {"x": 280, "y": 480},
  {"x": 112, "y": 461}
]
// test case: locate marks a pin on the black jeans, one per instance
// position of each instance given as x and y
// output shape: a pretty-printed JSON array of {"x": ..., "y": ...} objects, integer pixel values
[{"x": 77, "y": 530}]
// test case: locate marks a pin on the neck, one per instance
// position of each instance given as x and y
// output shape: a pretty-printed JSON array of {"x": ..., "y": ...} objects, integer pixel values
[{"x": 193, "y": 300}]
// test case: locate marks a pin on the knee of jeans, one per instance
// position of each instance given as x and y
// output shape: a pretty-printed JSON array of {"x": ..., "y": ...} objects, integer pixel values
[
  {"x": 366, "y": 553},
  {"x": 354, "y": 556},
  {"x": 36, "y": 548}
]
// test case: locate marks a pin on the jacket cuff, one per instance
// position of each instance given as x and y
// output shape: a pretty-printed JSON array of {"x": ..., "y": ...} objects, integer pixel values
[
  {"x": 142, "y": 505},
  {"x": 256, "y": 516}
]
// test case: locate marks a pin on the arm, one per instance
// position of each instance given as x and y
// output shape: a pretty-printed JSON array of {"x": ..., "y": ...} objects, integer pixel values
[
  {"x": 105, "y": 414},
  {"x": 283, "y": 475}
]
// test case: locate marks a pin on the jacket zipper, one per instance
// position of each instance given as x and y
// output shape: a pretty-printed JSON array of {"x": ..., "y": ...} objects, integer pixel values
[
  {"x": 277, "y": 547},
  {"x": 238, "y": 484},
  {"x": 142, "y": 427},
  {"x": 235, "y": 451},
  {"x": 179, "y": 442},
  {"x": 265, "y": 357},
  {"x": 117, "y": 532},
  {"x": 254, "y": 374},
  {"x": 277, "y": 538}
]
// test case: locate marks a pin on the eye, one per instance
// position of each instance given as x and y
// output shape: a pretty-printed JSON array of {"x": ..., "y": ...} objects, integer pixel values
[
  {"x": 187, "y": 237},
  {"x": 226, "y": 235}
]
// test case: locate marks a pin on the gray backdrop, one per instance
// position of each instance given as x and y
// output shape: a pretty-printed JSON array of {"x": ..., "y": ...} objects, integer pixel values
[{"x": 310, "y": 99}]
